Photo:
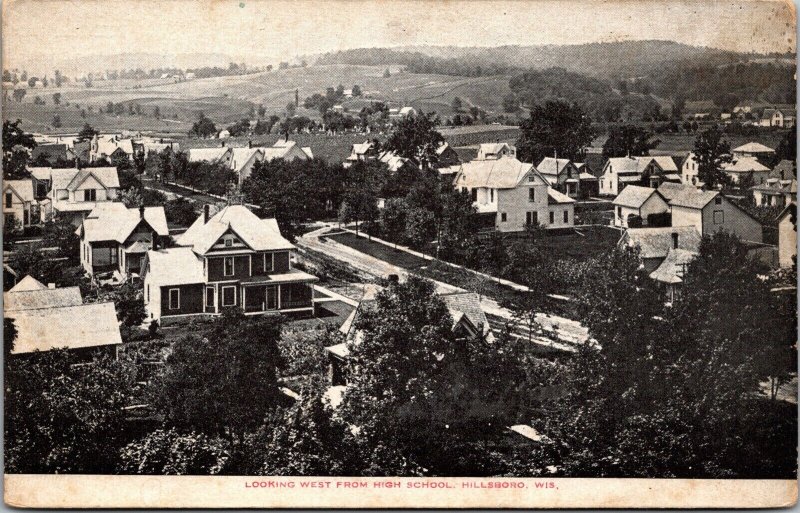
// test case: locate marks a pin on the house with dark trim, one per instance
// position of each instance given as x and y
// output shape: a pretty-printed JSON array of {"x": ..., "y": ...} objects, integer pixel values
[{"x": 232, "y": 259}]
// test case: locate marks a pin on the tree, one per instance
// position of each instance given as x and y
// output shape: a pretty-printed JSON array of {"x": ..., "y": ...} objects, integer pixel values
[
  {"x": 555, "y": 128},
  {"x": 510, "y": 103},
  {"x": 420, "y": 227},
  {"x": 386, "y": 73},
  {"x": 62, "y": 418},
  {"x": 156, "y": 112},
  {"x": 416, "y": 138},
  {"x": 180, "y": 211},
  {"x": 629, "y": 140},
  {"x": 457, "y": 104},
  {"x": 261, "y": 111},
  {"x": 172, "y": 453},
  {"x": 9, "y": 338},
  {"x": 710, "y": 153},
  {"x": 56, "y": 121},
  {"x": 356, "y": 91},
  {"x": 393, "y": 220},
  {"x": 205, "y": 379},
  {"x": 57, "y": 98},
  {"x": 19, "y": 94},
  {"x": 13, "y": 136},
  {"x": 291, "y": 108},
  {"x": 203, "y": 127}
]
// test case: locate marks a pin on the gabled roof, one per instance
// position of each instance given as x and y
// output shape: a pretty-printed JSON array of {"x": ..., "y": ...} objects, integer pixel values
[
  {"x": 695, "y": 199},
  {"x": 775, "y": 186},
  {"x": 241, "y": 156},
  {"x": 41, "y": 173},
  {"x": 670, "y": 190},
  {"x": 785, "y": 169},
  {"x": 622, "y": 165},
  {"x": 492, "y": 149},
  {"x": 505, "y": 173},
  {"x": 753, "y": 147},
  {"x": 744, "y": 165},
  {"x": 554, "y": 197},
  {"x": 207, "y": 154},
  {"x": 73, "y": 327},
  {"x": 28, "y": 283},
  {"x": 665, "y": 162},
  {"x": 394, "y": 162},
  {"x": 362, "y": 148},
  {"x": 174, "y": 266},
  {"x": 791, "y": 207},
  {"x": 656, "y": 242},
  {"x": 550, "y": 166},
  {"x": 16, "y": 300},
  {"x": 63, "y": 178},
  {"x": 22, "y": 188},
  {"x": 258, "y": 234},
  {"x": 673, "y": 267},
  {"x": 113, "y": 221},
  {"x": 443, "y": 148},
  {"x": 467, "y": 304},
  {"x": 634, "y": 196},
  {"x": 768, "y": 113}
]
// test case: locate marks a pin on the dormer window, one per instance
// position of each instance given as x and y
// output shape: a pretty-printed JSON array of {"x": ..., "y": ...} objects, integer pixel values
[
  {"x": 9, "y": 199},
  {"x": 718, "y": 200},
  {"x": 228, "y": 243},
  {"x": 90, "y": 195}
]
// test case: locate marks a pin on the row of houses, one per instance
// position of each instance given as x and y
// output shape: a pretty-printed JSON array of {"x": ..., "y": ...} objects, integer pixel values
[
  {"x": 65, "y": 148},
  {"x": 241, "y": 160}
]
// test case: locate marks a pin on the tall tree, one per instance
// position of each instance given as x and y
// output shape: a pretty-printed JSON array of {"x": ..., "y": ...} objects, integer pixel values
[
  {"x": 710, "y": 153},
  {"x": 416, "y": 138},
  {"x": 629, "y": 140},
  {"x": 555, "y": 128}
]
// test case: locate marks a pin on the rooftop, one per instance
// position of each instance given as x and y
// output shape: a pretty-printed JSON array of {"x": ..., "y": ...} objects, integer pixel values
[
  {"x": 258, "y": 234},
  {"x": 634, "y": 196},
  {"x": 657, "y": 242}
]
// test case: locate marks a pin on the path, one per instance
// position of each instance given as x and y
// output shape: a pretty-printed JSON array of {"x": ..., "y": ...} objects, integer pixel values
[{"x": 568, "y": 331}]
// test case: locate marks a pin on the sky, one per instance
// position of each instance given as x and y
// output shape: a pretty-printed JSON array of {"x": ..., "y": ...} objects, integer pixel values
[{"x": 268, "y": 31}]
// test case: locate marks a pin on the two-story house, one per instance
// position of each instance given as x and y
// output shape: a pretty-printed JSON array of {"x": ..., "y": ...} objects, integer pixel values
[
  {"x": 744, "y": 166},
  {"x": 233, "y": 259},
  {"x": 110, "y": 146},
  {"x": 244, "y": 159},
  {"x": 711, "y": 212},
  {"x": 753, "y": 149},
  {"x": 775, "y": 192},
  {"x": 115, "y": 238},
  {"x": 782, "y": 118},
  {"x": 647, "y": 171},
  {"x": 494, "y": 151},
  {"x": 362, "y": 152},
  {"x": 562, "y": 174},
  {"x": 222, "y": 155},
  {"x": 19, "y": 203},
  {"x": 446, "y": 156},
  {"x": 76, "y": 192},
  {"x": 512, "y": 195}
]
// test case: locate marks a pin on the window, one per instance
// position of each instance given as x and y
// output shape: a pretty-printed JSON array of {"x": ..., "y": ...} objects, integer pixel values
[
  {"x": 531, "y": 194},
  {"x": 566, "y": 216},
  {"x": 90, "y": 195},
  {"x": 9, "y": 199},
  {"x": 502, "y": 217},
  {"x": 228, "y": 266},
  {"x": 210, "y": 299},
  {"x": 531, "y": 218},
  {"x": 619, "y": 212},
  {"x": 174, "y": 299},
  {"x": 552, "y": 217},
  {"x": 269, "y": 262},
  {"x": 719, "y": 216},
  {"x": 491, "y": 195},
  {"x": 228, "y": 243},
  {"x": 718, "y": 200},
  {"x": 474, "y": 193},
  {"x": 229, "y": 296}
]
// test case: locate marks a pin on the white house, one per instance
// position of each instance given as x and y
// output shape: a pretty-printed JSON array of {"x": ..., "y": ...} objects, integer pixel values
[
  {"x": 110, "y": 145},
  {"x": 243, "y": 159},
  {"x": 782, "y": 118},
  {"x": 637, "y": 201},
  {"x": 494, "y": 151},
  {"x": 514, "y": 195},
  {"x": 222, "y": 155},
  {"x": 620, "y": 172},
  {"x": 689, "y": 171},
  {"x": 18, "y": 202},
  {"x": 787, "y": 235},
  {"x": 361, "y": 152},
  {"x": 743, "y": 166},
  {"x": 562, "y": 174},
  {"x": 76, "y": 192},
  {"x": 753, "y": 149},
  {"x": 775, "y": 193},
  {"x": 711, "y": 212}
]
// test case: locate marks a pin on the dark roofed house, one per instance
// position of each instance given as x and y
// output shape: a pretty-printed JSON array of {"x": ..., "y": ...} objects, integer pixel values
[
  {"x": 784, "y": 170},
  {"x": 51, "y": 153}
]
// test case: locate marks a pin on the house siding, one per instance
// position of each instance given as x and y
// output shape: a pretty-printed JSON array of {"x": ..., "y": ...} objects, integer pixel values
[
  {"x": 653, "y": 205},
  {"x": 787, "y": 241},
  {"x": 191, "y": 299},
  {"x": 216, "y": 268}
]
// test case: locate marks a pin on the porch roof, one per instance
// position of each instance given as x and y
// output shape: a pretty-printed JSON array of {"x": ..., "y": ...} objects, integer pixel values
[{"x": 293, "y": 276}]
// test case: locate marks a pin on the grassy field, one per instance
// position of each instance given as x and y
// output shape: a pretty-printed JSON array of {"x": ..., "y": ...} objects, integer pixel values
[{"x": 226, "y": 99}]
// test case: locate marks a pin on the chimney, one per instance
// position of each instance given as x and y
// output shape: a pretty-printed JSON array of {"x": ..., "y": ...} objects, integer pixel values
[
  {"x": 155, "y": 242},
  {"x": 77, "y": 162},
  {"x": 141, "y": 212},
  {"x": 287, "y": 136},
  {"x": 223, "y": 144},
  {"x": 249, "y": 144},
  {"x": 51, "y": 285},
  {"x": 161, "y": 141},
  {"x": 205, "y": 213},
  {"x": 674, "y": 240}
]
